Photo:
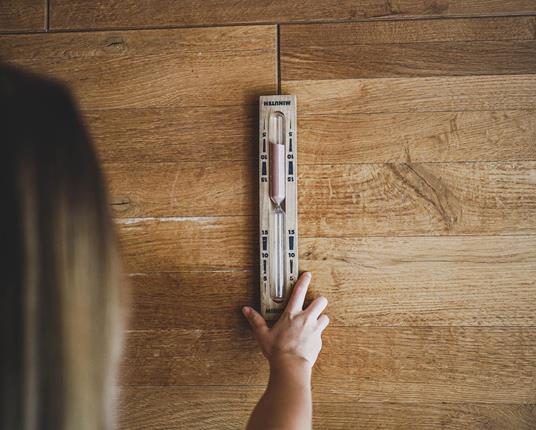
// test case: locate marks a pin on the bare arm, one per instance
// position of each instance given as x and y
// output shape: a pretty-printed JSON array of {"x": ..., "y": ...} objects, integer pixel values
[
  {"x": 286, "y": 403},
  {"x": 291, "y": 347}
]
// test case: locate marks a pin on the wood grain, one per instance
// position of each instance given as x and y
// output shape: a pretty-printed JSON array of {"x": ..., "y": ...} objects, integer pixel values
[
  {"x": 361, "y": 200},
  {"x": 414, "y": 281},
  {"x": 423, "y": 281},
  {"x": 114, "y": 13},
  {"x": 189, "y": 244},
  {"x": 229, "y": 407},
  {"x": 22, "y": 15},
  {"x": 402, "y": 95},
  {"x": 417, "y": 137},
  {"x": 204, "y": 133},
  {"x": 474, "y": 126},
  {"x": 225, "y": 66},
  {"x": 156, "y": 135},
  {"x": 304, "y": 36},
  {"x": 410, "y": 59},
  {"x": 191, "y": 300},
  {"x": 456, "y": 364},
  {"x": 152, "y": 408},
  {"x": 408, "y": 48},
  {"x": 423, "y": 416},
  {"x": 77, "y": 46},
  {"x": 184, "y": 188},
  {"x": 418, "y": 199},
  {"x": 160, "y": 95}
]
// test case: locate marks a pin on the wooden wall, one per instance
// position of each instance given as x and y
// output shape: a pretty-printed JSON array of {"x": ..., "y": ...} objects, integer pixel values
[{"x": 417, "y": 196}]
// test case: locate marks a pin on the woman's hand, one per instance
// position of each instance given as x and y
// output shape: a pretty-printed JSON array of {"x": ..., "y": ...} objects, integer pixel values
[
  {"x": 296, "y": 337},
  {"x": 291, "y": 347}
]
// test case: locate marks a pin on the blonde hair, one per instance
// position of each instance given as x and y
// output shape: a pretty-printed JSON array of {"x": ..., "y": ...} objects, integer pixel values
[{"x": 62, "y": 324}]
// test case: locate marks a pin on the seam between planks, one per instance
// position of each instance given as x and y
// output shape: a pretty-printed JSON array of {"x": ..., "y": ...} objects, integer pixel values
[
  {"x": 123, "y": 386},
  {"x": 362, "y": 326},
  {"x": 278, "y": 58},
  {"x": 276, "y": 22},
  {"x": 288, "y": 82},
  {"x": 357, "y": 163},
  {"x": 49, "y": 29},
  {"x": 47, "y": 15},
  {"x": 135, "y": 220}
]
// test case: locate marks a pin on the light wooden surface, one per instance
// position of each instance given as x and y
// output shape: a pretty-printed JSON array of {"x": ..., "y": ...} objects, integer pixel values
[
  {"x": 190, "y": 243},
  {"x": 391, "y": 364},
  {"x": 437, "y": 136},
  {"x": 417, "y": 198},
  {"x": 185, "y": 134},
  {"x": 417, "y": 95},
  {"x": 464, "y": 281},
  {"x": 454, "y": 47},
  {"x": 362, "y": 199},
  {"x": 79, "y": 14},
  {"x": 228, "y": 407},
  {"x": 141, "y": 69},
  {"x": 23, "y": 16}
]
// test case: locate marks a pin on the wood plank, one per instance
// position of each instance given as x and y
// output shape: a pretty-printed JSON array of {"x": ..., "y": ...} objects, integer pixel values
[
  {"x": 22, "y": 15},
  {"x": 229, "y": 407},
  {"x": 225, "y": 66},
  {"x": 422, "y": 281},
  {"x": 414, "y": 281},
  {"x": 361, "y": 200},
  {"x": 418, "y": 199},
  {"x": 416, "y": 137},
  {"x": 114, "y": 13},
  {"x": 455, "y": 364},
  {"x": 402, "y": 95},
  {"x": 211, "y": 133},
  {"x": 152, "y": 408},
  {"x": 77, "y": 46},
  {"x": 409, "y": 60},
  {"x": 429, "y": 364},
  {"x": 184, "y": 188},
  {"x": 156, "y": 135},
  {"x": 452, "y": 416},
  {"x": 408, "y": 48},
  {"x": 518, "y": 28},
  {"x": 191, "y": 300},
  {"x": 189, "y": 244}
]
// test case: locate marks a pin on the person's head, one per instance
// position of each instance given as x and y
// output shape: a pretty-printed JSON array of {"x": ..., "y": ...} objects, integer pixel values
[{"x": 60, "y": 322}]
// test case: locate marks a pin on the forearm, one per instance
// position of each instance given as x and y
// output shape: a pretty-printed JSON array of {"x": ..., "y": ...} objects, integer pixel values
[{"x": 286, "y": 403}]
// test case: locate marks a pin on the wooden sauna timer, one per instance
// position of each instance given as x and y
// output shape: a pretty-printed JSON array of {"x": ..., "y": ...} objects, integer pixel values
[{"x": 278, "y": 273}]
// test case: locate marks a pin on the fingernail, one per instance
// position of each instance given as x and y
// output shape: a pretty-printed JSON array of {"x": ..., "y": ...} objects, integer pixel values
[{"x": 245, "y": 310}]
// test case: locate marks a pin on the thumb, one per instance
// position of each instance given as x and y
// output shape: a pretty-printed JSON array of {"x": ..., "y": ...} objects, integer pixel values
[{"x": 256, "y": 321}]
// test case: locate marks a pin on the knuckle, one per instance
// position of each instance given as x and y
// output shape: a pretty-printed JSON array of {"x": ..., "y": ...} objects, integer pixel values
[
  {"x": 323, "y": 319},
  {"x": 310, "y": 317},
  {"x": 286, "y": 315}
]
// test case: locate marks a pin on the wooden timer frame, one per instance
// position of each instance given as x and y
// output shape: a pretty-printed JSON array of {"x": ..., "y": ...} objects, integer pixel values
[{"x": 269, "y": 105}]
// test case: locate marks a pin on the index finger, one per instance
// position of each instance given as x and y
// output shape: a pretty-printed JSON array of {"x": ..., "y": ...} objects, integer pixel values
[{"x": 295, "y": 303}]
